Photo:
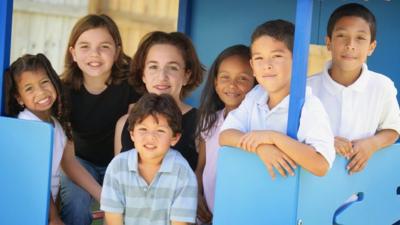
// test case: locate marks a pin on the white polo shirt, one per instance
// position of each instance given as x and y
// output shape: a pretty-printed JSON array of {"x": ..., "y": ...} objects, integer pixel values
[
  {"x": 361, "y": 109},
  {"x": 254, "y": 114},
  {"x": 59, "y": 142}
]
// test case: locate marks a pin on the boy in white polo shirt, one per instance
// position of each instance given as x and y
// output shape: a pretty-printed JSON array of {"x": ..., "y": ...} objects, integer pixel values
[
  {"x": 259, "y": 123},
  {"x": 361, "y": 104},
  {"x": 151, "y": 184}
]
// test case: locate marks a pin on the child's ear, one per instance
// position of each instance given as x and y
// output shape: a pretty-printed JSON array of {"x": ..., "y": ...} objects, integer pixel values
[
  {"x": 328, "y": 42},
  {"x": 72, "y": 52},
  {"x": 175, "y": 139},
  {"x": 19, "y": 100},
  {"x": 372, "y": 47},
  {"x": 131, "y": 134}
]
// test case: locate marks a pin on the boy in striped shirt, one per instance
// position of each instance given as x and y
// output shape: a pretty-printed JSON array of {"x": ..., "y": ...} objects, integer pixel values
[{"x": 152, "y": 183}]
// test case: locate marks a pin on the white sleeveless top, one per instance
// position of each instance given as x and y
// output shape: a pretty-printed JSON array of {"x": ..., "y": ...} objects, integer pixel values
[{"x": 59, "y": 142}]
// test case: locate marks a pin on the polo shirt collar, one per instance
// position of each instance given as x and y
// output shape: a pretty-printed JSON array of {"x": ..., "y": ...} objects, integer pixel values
[
  {"x": 284, "y": 104},
  {"x": 166, "y": 164},
  {"x": 332, "y": 86}
]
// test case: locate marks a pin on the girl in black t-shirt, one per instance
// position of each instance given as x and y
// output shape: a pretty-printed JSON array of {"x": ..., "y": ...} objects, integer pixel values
[
  {"x": 95, "y": 76},
  {"x": 166, "y": 63}
]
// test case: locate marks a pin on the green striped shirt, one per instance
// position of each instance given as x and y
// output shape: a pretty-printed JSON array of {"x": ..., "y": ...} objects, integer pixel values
[{"x": 171, "y": 196}]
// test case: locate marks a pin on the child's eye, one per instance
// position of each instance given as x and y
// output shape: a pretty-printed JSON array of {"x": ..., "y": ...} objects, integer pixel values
[
  {"x": 277, "y": 56},
  {"x": 161, "y": 131},
  {"x": 258, "y": 58},
  {"x": 243, "y": 78},
  {"x": 105, "y": 46},
  {"x": 28, "y": 89},
  {"x": 142, "y": 129},
  {"x": 361, "y": 38},
  {"x": 84, "y": 46},
  {"x": 46, "y": 81}
]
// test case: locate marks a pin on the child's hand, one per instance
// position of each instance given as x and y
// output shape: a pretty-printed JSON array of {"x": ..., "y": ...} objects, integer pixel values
[
  {"x": 273, "y": 157},
  {"x": 343, "y": 147},
  {"x": 253, "y": 139},
  {"x": 362, "y": 151},
  {"x": 203, "y": 213}
]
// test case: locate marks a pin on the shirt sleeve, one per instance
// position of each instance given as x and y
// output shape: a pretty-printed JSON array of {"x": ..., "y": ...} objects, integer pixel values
[
  {"x": 390, "y": 117},
  {"x": 184, "y": 206},
  {"x": 315, "y": 129},
  {"x": 112, "y": 194},
  {"x": 239, "y": 118}
]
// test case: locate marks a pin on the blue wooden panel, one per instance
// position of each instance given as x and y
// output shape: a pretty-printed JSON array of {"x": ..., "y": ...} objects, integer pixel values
[
  {"x": 320, "y": 197},
  {"x": 6, "y": 7},
  {"x": 25, "y": 164},
  {"x": 246, "y": 194}
]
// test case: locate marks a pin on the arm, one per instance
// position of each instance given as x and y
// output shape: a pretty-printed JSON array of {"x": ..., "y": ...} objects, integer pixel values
[
  {"x": 303, "y": 154},
  {"x": 77, "y": 173},
  {"x": 113, "y": 218},
  {"x": 54, "y": 219},
  {"x": 230, "y": 137},
  {"x": 364, "y": 148},
  {"x": 118, "y": 132},
  {"x": 178, "y": 223},
  {"x": 203, "y": 213}
]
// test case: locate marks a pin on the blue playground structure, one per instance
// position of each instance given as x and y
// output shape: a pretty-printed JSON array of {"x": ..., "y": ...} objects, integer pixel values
[{"x": 245, "y": 192}]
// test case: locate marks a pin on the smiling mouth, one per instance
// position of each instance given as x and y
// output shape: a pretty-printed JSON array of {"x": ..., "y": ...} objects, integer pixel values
[
  {"x": 94, "y": 64},
  {"x": 230, "y": 94},
  {"x": 44, "y": 101},
  {"x": 150, "y": 146}
]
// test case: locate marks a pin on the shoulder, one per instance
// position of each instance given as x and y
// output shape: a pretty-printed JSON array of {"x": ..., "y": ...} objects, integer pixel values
[
  {"x": 312, "y": 103},
  {"x": 314, "y": 81},
  {"x": 379, "y": 80},
  {"x": 181, "y": 166},
  {"x": 119, "y": 162}
]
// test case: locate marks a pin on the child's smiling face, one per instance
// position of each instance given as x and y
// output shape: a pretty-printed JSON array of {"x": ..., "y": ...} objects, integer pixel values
[
  {"x": 36, "y": 92},
  {"x": 350, "y": 43},
  {"x": 271, "y": 61},
  {"x": 153, "y": 137}
]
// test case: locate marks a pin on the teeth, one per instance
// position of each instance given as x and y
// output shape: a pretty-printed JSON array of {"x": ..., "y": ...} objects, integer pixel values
[
  {"x": 43, "y": 101},
  {"x": 94, "y": 64},
  {"x": 150, "y": 146}
]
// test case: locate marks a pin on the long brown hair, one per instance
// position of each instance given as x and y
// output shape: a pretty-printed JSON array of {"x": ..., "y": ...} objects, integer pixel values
[
  {"x": 38, "y": 62},
  {"x": 72, "y": 75}
]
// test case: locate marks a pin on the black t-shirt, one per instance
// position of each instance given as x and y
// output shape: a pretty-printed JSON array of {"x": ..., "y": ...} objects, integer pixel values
[
  {"x": 186, "y": 145},
  {"x": 93, "y": 119}
]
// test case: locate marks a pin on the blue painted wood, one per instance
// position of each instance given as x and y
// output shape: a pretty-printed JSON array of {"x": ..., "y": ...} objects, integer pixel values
[
  {"x": 300, "y": 61},
  {"x": 320, "y": 197},
  {"x": 6, "y": 7},
  {"x": 246, "y": 194},
  {"x": 25, "y": 166},
  {"x": 184, "y": 16}
]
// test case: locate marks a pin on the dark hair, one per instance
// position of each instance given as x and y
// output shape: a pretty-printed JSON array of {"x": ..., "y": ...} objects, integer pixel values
[
  {"x": 153, "y": 105},
  {"x": 176, "y": 39},
  {"x": 280, "y": 30},
  {"x": 34, "y": 63},
  {"x": 352, "y": 9},
  {"x": 210, "y": 103},
  {"x": 72, "y": 74}
]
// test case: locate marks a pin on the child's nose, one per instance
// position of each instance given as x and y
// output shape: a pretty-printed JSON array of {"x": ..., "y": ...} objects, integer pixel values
[{"x": 350, "y": 44}]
